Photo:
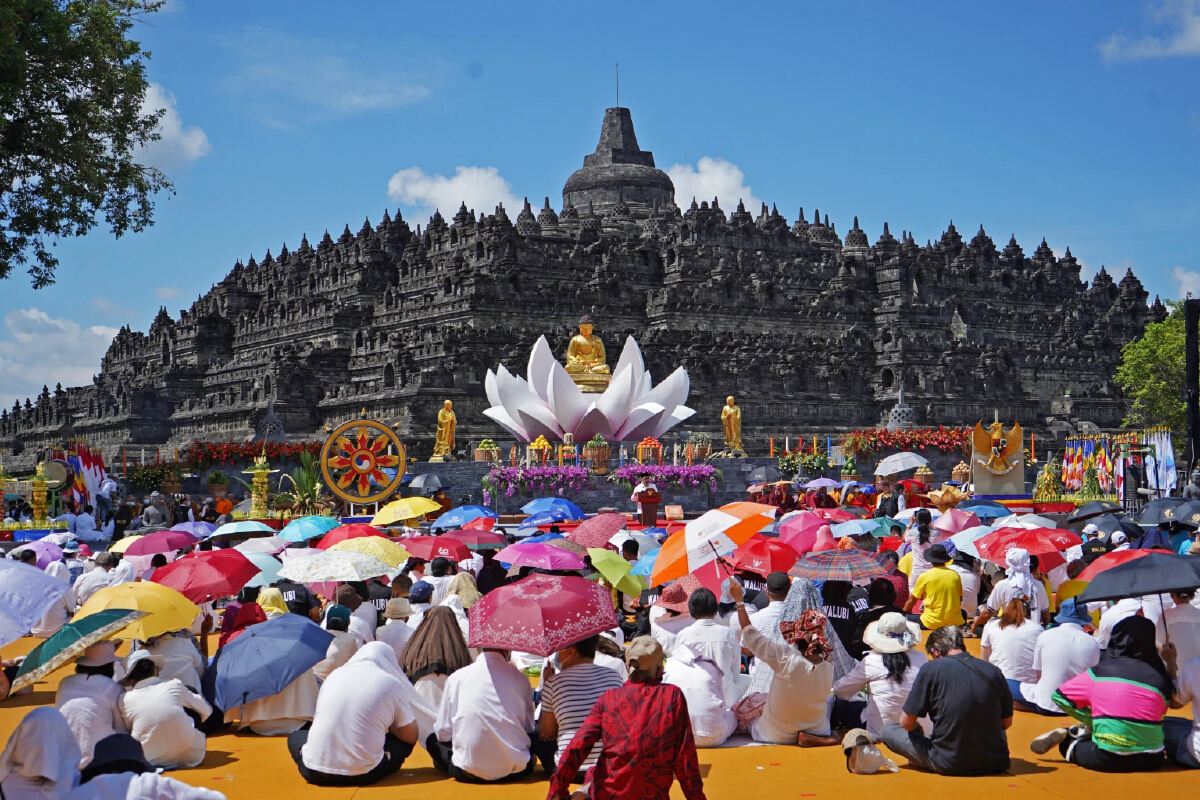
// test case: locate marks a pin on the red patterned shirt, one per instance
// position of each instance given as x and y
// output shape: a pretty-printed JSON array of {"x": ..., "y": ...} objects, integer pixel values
[{"x": 647, "y": 740}]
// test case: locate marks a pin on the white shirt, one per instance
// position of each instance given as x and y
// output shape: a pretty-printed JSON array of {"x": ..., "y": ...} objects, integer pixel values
[
  {"x": 125, "y": 572},
  {"x": 106, "y": 487},
  {"x": 764, "y": 622},
  {"x": 718, "y": 643},
  {"x": 569, "y": 695},
  {"x": 395, "y": 634},
  {"x": 181, "y": 660},
  {"x": 357, "y": 706},
  {"x": 1129, "y": 607},
  {"x": 613, "y": 663},
  {"x": 91, "y": 582},
  {"x": 147, "y": 786},
  {"x": 1012, "y": 648},
  {"x": 367, "y": 617},
  {"x": 55, "y": 617},
  {"x": 487, "y": 713},
  {"x": 664, "y": 629},
  {"x": 920, "y": 566},
  {"x": 1183, "y": 624},
  {"x": 700, "y": 681},
  {"x": 1003, "y": 592},
  {"x": 885, "y": 703},
  {"x": 441, "y": 586},
  {"x": 1187, "y": 689},
  {"x": 281, "y": 713},
  {"x": 85, "y": 528},
  {"x": 418, "y": 614},
  {"x": 91, "y": 704},
  {"x": 432, "y": 687},
  {"x": 1060, "y": 654},
  {"x": 341, "y": 649},
  {"x": 799, "y": 692},
  {"x": 154, "y": 712},
  {"x": 970, "y": 589}
]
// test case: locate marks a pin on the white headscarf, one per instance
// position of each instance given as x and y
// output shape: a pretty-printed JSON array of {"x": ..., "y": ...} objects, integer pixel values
[
  {"x": 377, "y": 655},
  {"x": 1019, "y": 578},
  {"x": 42, "y": 748}
]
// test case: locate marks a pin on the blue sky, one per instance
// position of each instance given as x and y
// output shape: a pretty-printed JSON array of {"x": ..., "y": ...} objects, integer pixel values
[{"x": 1077, "y": 121}]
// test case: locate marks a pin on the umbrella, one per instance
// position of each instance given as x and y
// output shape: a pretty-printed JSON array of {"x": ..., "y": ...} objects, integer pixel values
[
  {"x": 47, "y": 552},
  {"x": 856, "y": 511},
  {"x": 302, "y": 529},
  {"x": 645, "y": 564},
  {"x": 714, "y": 534},
  {"x": 333, "y": 565},
  {"x": 756, "y": 488},
  {"x": 268, "y": 569},
  {"x": 899, "y": 462},
  {"x": 197, "y": 529},
  {"x": 835, "y": 514},
  {"x": 569, "y": 546},
  {"x": 1045, "y": 543},
  {"x": 1024, "y": 521},
  {"x": 207, "y": 575},
  {"x": 122, "y": 544},
  {"x": 1155, "y": 573},
  {"x": 343, "y": 533},
  {"x": 986, "y": 513},
  {"x": 839, "y": 565},
  {"x": 457, "y": 517},
  {"x": 480, "y": 524},
  {"x": 385, "y": 550},
  {"x": 167, "y": 610},
  {"x": 478, "y": 540},
  {"x": 763, "y": 556},
  {"x": 1111, "y": 523},
  {"x": 617, "y": 571},
  {"x": 264, "y": 660},
  {"x": 272, "y": 545},
  {"x": 245, "y": 527},
  {"x": 546, "y": 518},
  {"x": 431, "y": 547},
  {"x": 539, "y": 555},
  {"x": 956, "y": 520},
  {"x": 855, "y": 527},
  {"x": 551, "y": 503},
  {"x": 908, "y": 513},
  {"x": 541, "y": 614},
  {"x": 964, "y": 540},
  {"x": 1093, "y": 509},
  {"x": 596, "y": 531},
  {"x": 645, "y": 543},
  {"x": 542, "y": 537},
  {"x": 1110, "y": 560},
  {"x": 800, "y": 531},
  {"x": 70, "y": 642},
  {"x": 405, "y": 508},
  {"x": 26, "y": 594},
  {"x": 429, "y": 482},
  {"x": 1160, "y": 510},
  {"x": 161, "y": 542},
  {"x": 1188, "y": 513},
  {"x": 821, "y": 483},
  {"x": 765, "y": 475}
]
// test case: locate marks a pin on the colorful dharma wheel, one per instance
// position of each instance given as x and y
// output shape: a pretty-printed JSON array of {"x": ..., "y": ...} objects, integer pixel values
[{"x": 354, "y": 458}]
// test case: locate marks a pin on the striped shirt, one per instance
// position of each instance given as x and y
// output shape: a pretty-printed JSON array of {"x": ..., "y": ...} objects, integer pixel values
[
  {"x": 1124, "y": 713},
  {"x": 569, "y": 695}
]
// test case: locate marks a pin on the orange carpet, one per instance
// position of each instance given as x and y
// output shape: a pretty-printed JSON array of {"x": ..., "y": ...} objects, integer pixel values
[{"x": 250, "y": 767}]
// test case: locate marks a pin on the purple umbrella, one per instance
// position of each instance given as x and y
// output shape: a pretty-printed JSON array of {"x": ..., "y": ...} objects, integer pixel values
[
  {"x": 47, "y": 552},
  {"x": 821, "y": 483},
  {"x": 539, "y": 555},
  {"x": 200, "y": 530}
]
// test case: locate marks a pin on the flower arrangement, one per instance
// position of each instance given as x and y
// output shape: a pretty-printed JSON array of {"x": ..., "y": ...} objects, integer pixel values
[
  {"x": 218, "y": 478},
  {"x": 596, "y": 441},
  {"x": 541, "y": 481},
  {"x": 679, "y": 477},
  {"x": 201, "y": 455},
  {"x": 699, "y": 439},
  {"x": 872, "y": 440},
  {"x": 151, "y": 477}
]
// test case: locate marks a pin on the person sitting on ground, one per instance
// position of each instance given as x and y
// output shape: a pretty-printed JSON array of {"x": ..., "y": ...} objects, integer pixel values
[
  {"x": 837, "y": 608},
  {"x": 343, "y": 646},
  {"x": 181, "y": 656},
  {"x": 888, "y": 669},
  {"x": 271, "y": 600},
  {"x": 1009, "y": 643},
  {"x": 279, "y": 714},
  {"x": 795, "y": 708},
  {"x": 669, "y": 613},
  {"x": 491, "y": 575},
  {"x": 1120, "y": 704},
  {"x": 1061, "y": 653},
  {"x": 969, "y": 704},
  {"x": 440, "y": 575},
  {"x": 420, "y": 598},
  {"x": 1181, "y": 736},
  {"x": 61, "y": 611},
  {"x": 714, "y": 640},
  {"x": 362, "y": 615},
  {"x": 237, "y": 617},
  {"x": 41, "y": 759},
  {"x": 940, "y": 588},
  {"x": 395, "y": 632},
  {"x": 157, "y": 562},
  {"x": 124, "y": 570},
  {"x": 568, "y": 695},
  {"x": 85, "y": 527},
  {"x": 90, "y": 699},
  {"x": 91, "y": 582},
  {"x": 436, "y": 651},
  {"x": 646, "y": 733},
  {"x": 298, "y": 599},
  {"x": 713, "y": 721},
  {"x": 891, "y": 561},
  {"x": 156, "y": 713},
  {"x": 1181, "y": 625},
  {"x": 120, "y": 771},
  {"x": 968, "y": 572},
  {"x": 881, "y": 599},
  {"x": 364, "y": 726},
  {"x": 920, "y": 538},
  {"x": 463, "y": 587},
  {"x": 766, "y": 620},
  {"x": 485, "y": 730}
]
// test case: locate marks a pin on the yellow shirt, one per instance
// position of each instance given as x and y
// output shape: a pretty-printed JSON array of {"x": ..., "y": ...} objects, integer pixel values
[
  {"x": 905, "y": 564},
  {"x": 941, "y": 589}
]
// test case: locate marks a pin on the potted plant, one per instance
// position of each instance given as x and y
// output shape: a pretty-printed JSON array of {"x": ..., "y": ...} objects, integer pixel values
[
  {"x": 218, "y": 484},
  {"x": 598, "y": 452},
  {"x": 487, "y": 450},
  {"x": 701, "y": 445},
  {"x": 173, "y": 481}
]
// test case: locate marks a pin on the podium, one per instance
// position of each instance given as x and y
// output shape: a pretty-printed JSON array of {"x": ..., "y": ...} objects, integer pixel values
[{"x": 649, "y": 500}]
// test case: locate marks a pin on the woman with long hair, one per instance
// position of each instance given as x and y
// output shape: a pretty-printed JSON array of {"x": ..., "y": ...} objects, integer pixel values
[
  {"x": 1009, "y": 642},
  {"x": 887, "y": 670},
  {"x": 436, "y": 651},
  {"x": 921, "y": 538}
]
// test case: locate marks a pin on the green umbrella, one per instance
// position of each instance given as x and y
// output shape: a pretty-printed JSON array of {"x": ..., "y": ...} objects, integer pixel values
[
  {"x": 70, "y": 643},
  {"x": 883, "y": 526},
  {"x": 617, "y": 571}
]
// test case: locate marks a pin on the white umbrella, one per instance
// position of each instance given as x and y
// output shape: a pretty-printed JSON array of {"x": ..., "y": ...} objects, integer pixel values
[
  {"x": 26, "y": 594},
  {"x": 645, "y": 543},
  {"x": 909, "y": 513},
  {"x": 271, "y": 545},
  {"x": 899, "y": 462},
  {"x": 1023, "y": 521},
  {"x": 333, "y": 565}
]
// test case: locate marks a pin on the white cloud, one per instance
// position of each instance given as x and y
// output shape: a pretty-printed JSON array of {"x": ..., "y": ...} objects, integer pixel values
[
  {"x": 110, "y": 309},
  {"x": 37, "y": 349},
  {"x": 713, "y": 177},
  {"x": 166, "y": 292},
  {"x": 1177, "y": 33},
  {"x": 481, "y": 188},
  {"x": 1187, "y": 281},
  {"x": 178, "y": 144}
]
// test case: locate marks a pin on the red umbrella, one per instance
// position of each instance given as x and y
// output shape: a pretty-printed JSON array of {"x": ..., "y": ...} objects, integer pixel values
[
  {"x": 476, "y": 540},
  {"x": 207, "y": 575},
  {"x": 161, "y": 542},
  {"x": 835, "y": 514},
  {"x": 431, "y": 547},
  {"x": 341, "y": 533},
  {"x": 763, "y": 556},
  {"x": 541, "y": 614},
  {"x": 1045, "y": 543},
  {"x": 1110, "y": 560},
  {"x": 480, "y": 524},
  {"x": 596, "y": 532}
]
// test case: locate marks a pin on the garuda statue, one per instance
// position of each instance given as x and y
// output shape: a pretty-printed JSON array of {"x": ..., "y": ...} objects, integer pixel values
[{"x": 995, "y": 450}]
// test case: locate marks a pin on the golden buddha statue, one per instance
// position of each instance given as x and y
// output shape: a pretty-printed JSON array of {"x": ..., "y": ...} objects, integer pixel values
[
  {"x": 586, "y": 360},
  {"x": 731, "y": 421},
  {"x": 447, "y": 422}
]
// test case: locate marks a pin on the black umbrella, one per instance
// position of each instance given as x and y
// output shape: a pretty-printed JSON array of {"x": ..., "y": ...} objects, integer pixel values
[
  {"x": 1093, "y": 509},
  {"x": 1111, "y": 523},
  {"x": 1188, "y": 513},
  {"x": 1157, "y": 573},
  {"x": 428, "y": 482},
  {"x": 1160, "y": 511},
  {"x": 765, "y": 474}
]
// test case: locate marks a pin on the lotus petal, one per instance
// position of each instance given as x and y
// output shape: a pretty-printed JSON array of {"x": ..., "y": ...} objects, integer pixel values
[
  {"x": 671, "y": 392},
  {"x": 594, "y": 422},
  {"x": 514, "y": 393},
  {"x": 541, "y": 361},
  {"x": 667, "y": 422},
  {"x": 489, "y": 388},
  {"x": 539, "y": 421},
  {"x": 641, "y": 422},
  {"x": 617, "y": 400},
  {"x": 498, "y": 415},
  {"x": 631, "y": 356},
  {"x": 568, "y": 403}
]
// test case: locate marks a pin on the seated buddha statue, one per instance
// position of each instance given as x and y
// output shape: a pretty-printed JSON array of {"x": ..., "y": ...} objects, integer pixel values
[{"x": 586, "y": 359}]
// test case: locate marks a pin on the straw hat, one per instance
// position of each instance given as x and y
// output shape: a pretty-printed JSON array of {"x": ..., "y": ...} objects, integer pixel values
[{"x": 892, "y": 633}]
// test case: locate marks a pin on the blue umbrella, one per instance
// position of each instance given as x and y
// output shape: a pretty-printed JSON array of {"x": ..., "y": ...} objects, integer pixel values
[
  {"x": 457, "y": 517},
  {"x": 269, "y": 566},
  {"x": 264, "y": 660},
  {"x": 543, "y": 537},
  {"x": 964, "y": 540},
  {"x": 551, "y": 503},
  {"x": 855, "y": 527},
  {"x": 304, "y": 528},
  {"x": 546, "y": 518},
  {"x": 243, "y": 527},
  {"x": 645, "y": 564},
  {"x": 198, "y": 529},
  {"x": 986, "y": 512}
]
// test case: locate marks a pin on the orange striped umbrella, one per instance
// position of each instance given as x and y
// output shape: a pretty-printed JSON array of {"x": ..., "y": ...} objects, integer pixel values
[{"x": 703, "y": 540}]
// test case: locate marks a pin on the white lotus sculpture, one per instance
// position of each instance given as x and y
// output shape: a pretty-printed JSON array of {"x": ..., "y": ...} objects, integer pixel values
[{"x": 548, "y": 403}]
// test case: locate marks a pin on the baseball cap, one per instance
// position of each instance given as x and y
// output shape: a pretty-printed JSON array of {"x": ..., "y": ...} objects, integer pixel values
[
  {"x": 644, "y": 653},
  {"x": 778, "y": 582},
  {"x": 421, "y": 592}
]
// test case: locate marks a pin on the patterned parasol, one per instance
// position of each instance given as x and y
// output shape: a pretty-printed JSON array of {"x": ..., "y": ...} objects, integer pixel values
[
  {"x": 541, "y": 614},
  {"x": 70, "y": 643},
  {"x": 333, "y": 565},
  {"x": 839, "y": 565},
  {"x": 386, "y": 551}
]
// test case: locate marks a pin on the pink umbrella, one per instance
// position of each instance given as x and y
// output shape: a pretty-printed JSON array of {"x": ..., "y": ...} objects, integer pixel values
[
  {"x": 540, "y": 555},
  {"x": 541, "y": 615},
  {"x": 800, "y": 531},
  {"x": 271, "y": 545},
  {"x": 161, "y": 542},
  {"x": 956, "y": 520},
  {"x": 596, "y": 532}
]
